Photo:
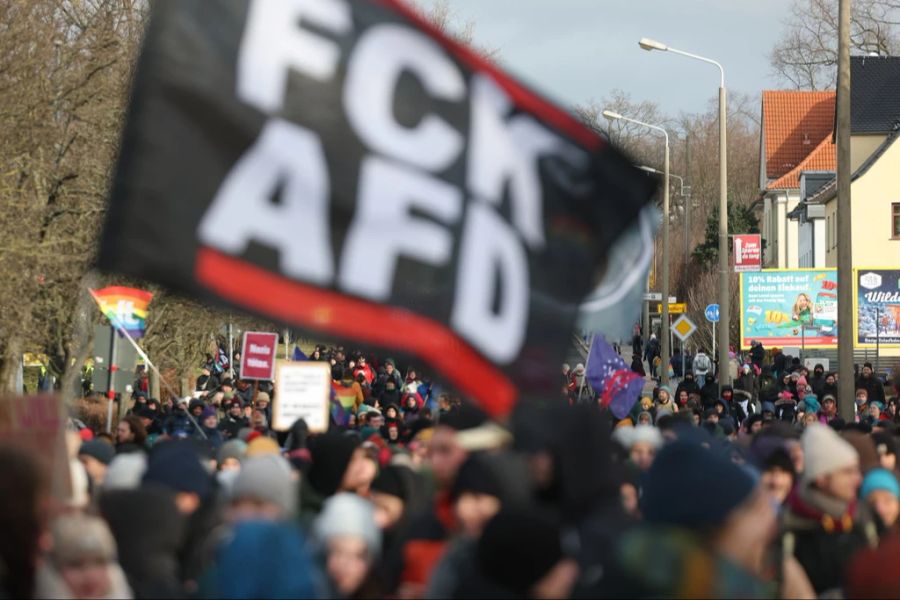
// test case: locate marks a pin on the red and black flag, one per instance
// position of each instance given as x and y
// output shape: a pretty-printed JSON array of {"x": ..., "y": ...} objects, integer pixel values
[{"x": 342, "y": 167}]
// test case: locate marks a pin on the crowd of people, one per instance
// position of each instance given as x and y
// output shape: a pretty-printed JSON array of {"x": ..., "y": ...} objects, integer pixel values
[{"x": 759, "y": 490}]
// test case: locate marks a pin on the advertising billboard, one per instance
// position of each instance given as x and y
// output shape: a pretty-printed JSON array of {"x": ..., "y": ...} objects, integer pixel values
[
  {"x": 877, "y": 310},
  {"x": 789, "y": 307}
]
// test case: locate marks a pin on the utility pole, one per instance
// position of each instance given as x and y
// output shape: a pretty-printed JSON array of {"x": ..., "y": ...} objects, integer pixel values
[
  {"x": 724, "y": 274},
  {"x": 846, "y": 383}
]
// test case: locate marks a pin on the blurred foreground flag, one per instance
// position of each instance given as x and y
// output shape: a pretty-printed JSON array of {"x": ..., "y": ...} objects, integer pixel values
[
  {"x": 344, "y": 169},
  {"x": 126, "y": 308}
]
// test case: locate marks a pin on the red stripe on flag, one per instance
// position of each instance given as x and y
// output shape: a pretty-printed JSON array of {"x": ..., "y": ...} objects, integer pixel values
[{"x": 339, "y": 315}]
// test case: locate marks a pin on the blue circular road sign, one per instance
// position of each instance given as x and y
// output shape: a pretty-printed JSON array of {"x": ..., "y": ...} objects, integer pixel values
[{"x": 712, "y": 313}]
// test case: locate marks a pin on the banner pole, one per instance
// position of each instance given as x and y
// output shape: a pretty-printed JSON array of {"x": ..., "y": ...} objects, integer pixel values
[
  {"x": 146, "y": 358},
  {"x": 587, "y": 361},
  {"x": 110, "y": 383},
  {"x": 230, "y": 349}
]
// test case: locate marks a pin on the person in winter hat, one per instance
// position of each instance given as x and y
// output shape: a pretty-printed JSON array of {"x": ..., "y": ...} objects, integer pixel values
[
  {"x": 149, "y": 532},
  {"x": 881, "y": 492},
  {"x": 520, "y": 555},
  {"x": 824, "y": 524},
  {"x": 82, "y": 561},
  {"x": 175, "y": 465},
  {"x": 339, "y": 464},
  {"x": 125, "y": 472},
  {"x": 700, "y": 507},
  {"x": 828, "y": 413},
  {"x": 349, "y": 542},
  {"x": 234, "y": 419},
  {"x": 231, "y": 455},
  {"x": 264, "y": 560},
  {"x": 209, "y": 424},
  {"x": 96, "y": 457},
  {"x": 263, "y": 490},
  {"x": 641, "y": 443}
]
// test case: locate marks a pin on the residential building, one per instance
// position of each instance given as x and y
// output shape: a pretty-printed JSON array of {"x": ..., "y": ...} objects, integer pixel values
[
  {"x": 795, "y": 139},
  {"x": 875, "y": 163}
]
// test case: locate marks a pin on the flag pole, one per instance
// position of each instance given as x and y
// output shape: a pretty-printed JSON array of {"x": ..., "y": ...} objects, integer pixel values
[
  {"x": 144, "y": 356},
  {"x": 587, "y": 361}
]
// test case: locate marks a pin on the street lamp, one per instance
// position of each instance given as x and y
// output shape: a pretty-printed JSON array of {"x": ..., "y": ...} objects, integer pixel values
[
  {"x": 724, "y": 293},
  {"x": 664, "y": 333},
  {"x": 685, "y": 194}
]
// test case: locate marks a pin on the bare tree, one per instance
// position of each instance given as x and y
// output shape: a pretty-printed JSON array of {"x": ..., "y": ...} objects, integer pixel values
[
  {"x": 806, "y": 55},
  {"x": 448, "y": 21}
]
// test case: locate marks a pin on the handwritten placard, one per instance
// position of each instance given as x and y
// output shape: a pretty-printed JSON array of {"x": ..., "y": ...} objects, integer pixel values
[
  {"x": 302, "y": 391},
  {"x": 36, "y": 424}
]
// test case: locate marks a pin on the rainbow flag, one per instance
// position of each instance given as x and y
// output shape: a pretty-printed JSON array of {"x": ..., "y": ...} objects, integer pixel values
[{"x": 126, "y": 308}]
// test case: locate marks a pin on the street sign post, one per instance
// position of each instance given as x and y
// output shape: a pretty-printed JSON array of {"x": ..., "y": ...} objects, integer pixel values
[
  {"x": 684, "y": 328},
  {"x": 674, "y": 308}
]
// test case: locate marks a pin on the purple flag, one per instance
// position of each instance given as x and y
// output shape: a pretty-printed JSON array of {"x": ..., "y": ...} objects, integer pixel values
[{"x": 619, "y": 387}]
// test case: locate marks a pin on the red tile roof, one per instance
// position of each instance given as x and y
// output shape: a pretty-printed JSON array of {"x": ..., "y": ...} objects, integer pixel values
[
  {"x": 823, "y": 158},
  {"x": 794, "y": 124}
]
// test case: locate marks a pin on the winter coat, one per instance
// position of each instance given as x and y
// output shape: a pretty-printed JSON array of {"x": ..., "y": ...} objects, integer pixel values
[
  {"x": 230, "y": 427},
  {"x": 148, "y": 530},
  {"x": 822, "y": 543},
  {"x": 702, "y": 364},
  {"x": 214, "y": 437},
  {"x": 709, "y": 393},
  {"x": 873, "y": 386},
  {"x": 779, "y": 362},
  {"x": 757, "y": 353},
  {"x": 178, "y": 424},
  {"x": 747, "y": 382}
]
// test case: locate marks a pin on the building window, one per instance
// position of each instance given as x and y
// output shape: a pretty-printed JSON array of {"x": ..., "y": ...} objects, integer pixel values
[{"x": 895, "y": 220}]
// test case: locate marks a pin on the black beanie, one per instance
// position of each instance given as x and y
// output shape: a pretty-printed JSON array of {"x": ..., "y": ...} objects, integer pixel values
[
  {"x": 463, "y": 417},
  {"x": 390, "y": 482},
  {"x": 475, "y": 475},
  {"x": 331, "y": 453},
  {"x": 690, "y": 486},
  {"x": 99, "y": 450},
  {"x": 517, "y": 549}
]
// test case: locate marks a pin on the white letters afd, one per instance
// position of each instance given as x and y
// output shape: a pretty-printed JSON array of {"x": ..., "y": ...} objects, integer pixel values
[{"x": 394, "y": 181}]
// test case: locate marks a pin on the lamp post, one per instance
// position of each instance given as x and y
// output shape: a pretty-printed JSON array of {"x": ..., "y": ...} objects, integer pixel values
[
  {"x": 664, "y": 333},
  {"x": 685, "y": 194},
  {"x": 724, "y": 291}
]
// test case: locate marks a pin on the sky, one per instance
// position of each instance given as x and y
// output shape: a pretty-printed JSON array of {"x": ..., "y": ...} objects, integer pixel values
[{"x": 577, "y": 50}]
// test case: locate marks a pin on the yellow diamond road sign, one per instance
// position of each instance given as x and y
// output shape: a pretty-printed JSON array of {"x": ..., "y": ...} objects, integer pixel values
[{"x": 683, "y": 328}]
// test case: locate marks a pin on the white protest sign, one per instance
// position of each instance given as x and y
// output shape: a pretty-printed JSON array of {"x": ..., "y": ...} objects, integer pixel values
[{"x": 302, "y": 391}]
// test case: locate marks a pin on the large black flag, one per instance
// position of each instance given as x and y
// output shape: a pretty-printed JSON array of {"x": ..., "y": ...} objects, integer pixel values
[{"x": 343, "y": 168}]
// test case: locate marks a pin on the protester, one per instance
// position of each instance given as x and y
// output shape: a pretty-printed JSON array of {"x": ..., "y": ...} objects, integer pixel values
[
  {"x": 130, "y": 435},
  {"x": 737, "y": 498},
  {"x": 350, "y": 544},
  {"x": 728, "y": 528},
  {"x": 81, "y": 562},
  {"x": 881, "y": 492},
  {"x": 702, "y": 366},
  {"x": 824, "y": 525},
  {"x": 96, "y": 457}
]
